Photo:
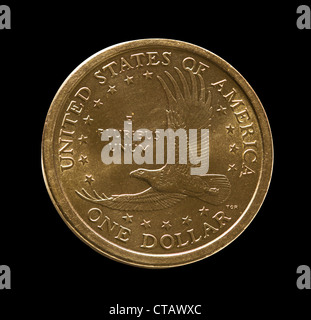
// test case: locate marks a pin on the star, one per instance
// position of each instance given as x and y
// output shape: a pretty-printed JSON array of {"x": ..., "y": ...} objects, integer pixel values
[
  {"x": 89, "y": 179},
  {"x": 230, "y": 129},
  {"x": 146, "y": 224},
  {"x": 88, "y": 120},
  {"x": 222, "y": 109},
  {"x": 232, "y": 167},
  {"x": 128, "y": 218},
  {"x": 187, "y": 220},
  {"x": 97, "y": 103},
  {"x": 129, "y": 80},
  {"x": 112, "y": 89},
  {"x": 82, "y": 139},
  {"x": 233, "y": 148},
  {"x": 83, "y": 159},
  {"x": 203, "y": 211},
  {"x": 166, "y": 225},
  {"x": 148, "y": 75}
]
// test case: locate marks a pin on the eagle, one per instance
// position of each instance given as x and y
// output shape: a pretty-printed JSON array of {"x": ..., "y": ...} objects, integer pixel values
[{"x": 188, "y": 106}]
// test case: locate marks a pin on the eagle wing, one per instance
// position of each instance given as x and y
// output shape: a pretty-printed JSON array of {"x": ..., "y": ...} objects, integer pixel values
[
  {"x": 146, "y": 200},
  {"x": 189, "y": 108}
]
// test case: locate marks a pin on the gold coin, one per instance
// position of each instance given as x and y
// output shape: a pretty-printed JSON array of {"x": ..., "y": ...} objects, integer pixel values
[{"x": 156, "y": 153}]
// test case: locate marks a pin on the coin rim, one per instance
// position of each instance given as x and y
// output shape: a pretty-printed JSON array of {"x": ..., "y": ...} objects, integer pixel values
[{"x": 116, "y": 252}]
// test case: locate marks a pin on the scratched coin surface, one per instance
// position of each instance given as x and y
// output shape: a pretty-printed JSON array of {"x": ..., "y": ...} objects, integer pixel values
[{"x": 156, "y": 153}]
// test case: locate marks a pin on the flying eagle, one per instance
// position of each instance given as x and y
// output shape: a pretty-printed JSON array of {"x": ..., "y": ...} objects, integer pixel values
[{"x": 187, "y": 108}]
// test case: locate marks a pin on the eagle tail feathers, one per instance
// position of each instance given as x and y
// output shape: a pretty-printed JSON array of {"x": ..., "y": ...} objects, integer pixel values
[{"x": 218, "y": 189}]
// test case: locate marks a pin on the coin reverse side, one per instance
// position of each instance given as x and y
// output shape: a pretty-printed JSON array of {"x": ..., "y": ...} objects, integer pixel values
[{"x": 156, "y": 153}]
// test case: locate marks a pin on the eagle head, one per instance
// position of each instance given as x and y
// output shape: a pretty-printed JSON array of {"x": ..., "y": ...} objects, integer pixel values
[
  {"x": 144, "y": 174},
  {"x": 139, "y": 173}
]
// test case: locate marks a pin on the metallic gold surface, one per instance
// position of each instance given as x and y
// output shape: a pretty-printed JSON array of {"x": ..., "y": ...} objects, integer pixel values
[{"x": 151, "y": 221}]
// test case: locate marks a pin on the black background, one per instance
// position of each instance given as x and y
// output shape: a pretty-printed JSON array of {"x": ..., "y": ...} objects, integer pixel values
[{"x": 53, "y": 272}]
